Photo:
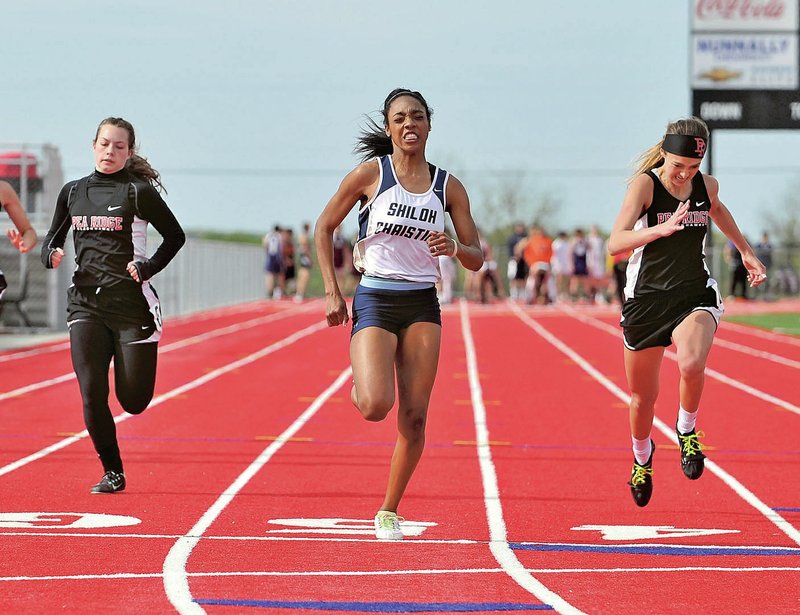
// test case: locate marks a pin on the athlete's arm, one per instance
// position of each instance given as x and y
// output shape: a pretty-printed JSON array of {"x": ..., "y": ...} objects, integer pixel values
[
  {"x": 466, "y": 244},
  {"x": 153, "y": 209},
  {"x": 638, "y": 199},
  {"x": 23, "y": 236},
  {"x": 722, "y": 217},
  {"x": 53, "y": 244},
  {"x": 356, "y": 187}
]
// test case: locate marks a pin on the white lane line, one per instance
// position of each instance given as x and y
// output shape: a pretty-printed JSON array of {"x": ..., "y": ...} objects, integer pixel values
[
  {"x": 175, "y": 321},
  {"x": 753, "y": 352},
  {"x": 756, "y": 332},
  {"x": 196, "y": 339},
  {"x": 197, "y": 382},
  {"x": 369, "y": 573},
  {"x": 746, "y": 388},
  {"x": 33, "y": 352},
  {"x": 742, "y": 491},
  {"x": 176, "y": 581},
  {"x": 498, "y": 535}
]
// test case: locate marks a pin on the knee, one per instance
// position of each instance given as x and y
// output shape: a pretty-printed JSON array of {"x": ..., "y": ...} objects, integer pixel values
[
  {"x": 412, "y": 424},
  {"x": 374, "y": 409},
  {"x": 134, "y": 403},
  {"x": 691, "y": 367},
  {"x": 643, "y": 401}
]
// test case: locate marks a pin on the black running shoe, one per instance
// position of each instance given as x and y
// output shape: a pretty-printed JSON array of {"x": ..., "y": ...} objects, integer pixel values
[
  {"x": 110, "y": 483},
  {"x": 691, "y": 454},
  {"x": 641, "y": 482}
]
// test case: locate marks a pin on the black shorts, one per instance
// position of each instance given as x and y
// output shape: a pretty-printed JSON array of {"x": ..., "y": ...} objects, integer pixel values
[
  {"x": 394, "y": 310},
  {"x": 649, "y": 321},
  {"x": 133, "y": 315}
]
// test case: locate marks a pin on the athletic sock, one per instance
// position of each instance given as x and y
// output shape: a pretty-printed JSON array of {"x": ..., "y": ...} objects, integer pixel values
[
  {"x": 642, "y": 449},
  {"x": 686, "y": 420}
]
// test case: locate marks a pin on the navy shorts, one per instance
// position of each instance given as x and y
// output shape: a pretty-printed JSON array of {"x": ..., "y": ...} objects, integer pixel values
[
  {"x": 132, "y": 315},
  {"x": 274, "y": 264},
  {"x": 394, "y": 310},
  {"x": 649, "y": 321}
]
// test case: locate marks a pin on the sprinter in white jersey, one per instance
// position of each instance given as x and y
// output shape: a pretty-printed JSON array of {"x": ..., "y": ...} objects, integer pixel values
[
  {"x": 669, "y": 295},
  {"x": 396, "y": 320}
]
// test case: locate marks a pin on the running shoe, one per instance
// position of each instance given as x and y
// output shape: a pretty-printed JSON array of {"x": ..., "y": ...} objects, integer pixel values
[
  {"x": 691, "y": 453},
  {"x": 641, "y": 482},
  {"x": 110, "y": 483},
  {"x": 387, "y": 526}
]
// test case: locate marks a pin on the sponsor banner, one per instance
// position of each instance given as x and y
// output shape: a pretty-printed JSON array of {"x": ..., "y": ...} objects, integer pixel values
[
  {"x": 749, "y": 109},
  {"x": 745, "y": 15},
  {"x": 745, "y": 61}
]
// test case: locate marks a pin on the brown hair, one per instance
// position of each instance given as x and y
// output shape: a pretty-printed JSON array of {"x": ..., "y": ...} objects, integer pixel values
[
  {"x": 137, "y": 165},
  {"x": 652, "y": 158}
]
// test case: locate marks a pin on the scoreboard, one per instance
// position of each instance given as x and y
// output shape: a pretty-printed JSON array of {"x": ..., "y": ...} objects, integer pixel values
[{"x": 745, "y": 63}]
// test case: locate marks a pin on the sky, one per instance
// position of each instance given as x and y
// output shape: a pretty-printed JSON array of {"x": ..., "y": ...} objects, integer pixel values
[{"x": 250, "y": 108}]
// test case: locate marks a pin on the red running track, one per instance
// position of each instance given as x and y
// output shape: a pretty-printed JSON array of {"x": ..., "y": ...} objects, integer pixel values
[{"x": 253, "y": 481}]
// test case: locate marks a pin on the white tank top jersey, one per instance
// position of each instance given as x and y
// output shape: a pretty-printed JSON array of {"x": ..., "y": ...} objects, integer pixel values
[{"x": 394, "y": 225}]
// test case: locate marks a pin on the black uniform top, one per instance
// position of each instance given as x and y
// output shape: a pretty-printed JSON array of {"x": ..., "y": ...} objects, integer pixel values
[
  {"x": 108, "y": 215},
  {"x": 676, "y": 262}
]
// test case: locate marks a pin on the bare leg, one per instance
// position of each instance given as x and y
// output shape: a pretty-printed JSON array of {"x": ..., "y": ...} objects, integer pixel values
[
  {"x": 417, "y": 362},
  {"x": 372, "y": 355},
  {"x": 642, "y": 368},
  {"x": 693, "y": 339}
]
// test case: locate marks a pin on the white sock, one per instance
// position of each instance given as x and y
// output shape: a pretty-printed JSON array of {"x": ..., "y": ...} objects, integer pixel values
[
  {"x": 686, "y": 420},
  {"x": 642, "y": 449}
]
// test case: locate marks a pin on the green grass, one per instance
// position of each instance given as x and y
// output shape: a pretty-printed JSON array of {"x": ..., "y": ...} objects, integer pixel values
[{"x": 787, "y": 322}]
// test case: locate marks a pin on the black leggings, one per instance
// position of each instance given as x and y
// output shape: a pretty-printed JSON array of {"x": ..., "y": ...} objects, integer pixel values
[{"x": 93, "y": 345}]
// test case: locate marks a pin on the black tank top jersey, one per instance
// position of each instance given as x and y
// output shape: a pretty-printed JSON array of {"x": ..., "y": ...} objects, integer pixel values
[
  {"x": 676, "y": 262},
  {"x": 108, "y": 215}
]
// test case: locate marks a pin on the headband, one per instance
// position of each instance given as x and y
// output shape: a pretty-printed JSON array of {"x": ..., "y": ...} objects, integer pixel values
[{"x": 685, "y": 145}]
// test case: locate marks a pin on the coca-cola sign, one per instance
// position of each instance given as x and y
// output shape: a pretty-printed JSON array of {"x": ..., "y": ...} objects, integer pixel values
[{"x": 745, "y": 15}]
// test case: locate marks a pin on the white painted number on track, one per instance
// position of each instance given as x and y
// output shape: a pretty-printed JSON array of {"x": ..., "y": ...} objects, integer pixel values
[
  {"x": 340, "y": 527},
  {"x": 648, "y": 532},
  {"x": 63, "y": 520}
]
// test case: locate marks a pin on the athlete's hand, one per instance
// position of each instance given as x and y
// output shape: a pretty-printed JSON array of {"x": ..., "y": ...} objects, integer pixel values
[
  {"x": 336, "y": 310},
  {"x": 441, "y": 245},
  {"x": 675, "y": 222},
  {"x": 56, "y": 256},
  {"x": 22, "y": 241},
  {"x": 756, "y": 271}
]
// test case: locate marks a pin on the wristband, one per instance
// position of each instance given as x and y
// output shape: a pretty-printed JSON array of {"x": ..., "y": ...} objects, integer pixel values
[{"x": 455, "y": 247}]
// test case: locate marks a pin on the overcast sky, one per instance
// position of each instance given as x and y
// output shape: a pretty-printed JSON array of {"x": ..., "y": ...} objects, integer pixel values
[{"x": 250, "y": 109}]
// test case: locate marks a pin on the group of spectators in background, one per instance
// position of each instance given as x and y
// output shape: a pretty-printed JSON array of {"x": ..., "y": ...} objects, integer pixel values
[
  {"x": 288, "y": 262},
  {"x": 566, "y": 268},
  {"x": 290, "y": 259},
  {"x": 571, "y": 268}
]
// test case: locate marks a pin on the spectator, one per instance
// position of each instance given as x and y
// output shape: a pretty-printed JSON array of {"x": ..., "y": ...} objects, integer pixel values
[
  {"x": 537, "y": 252},
  {"x": 304, "y": 260},
  {"x": 738, "y": 271},
  {"x": 517, "y": 267},
  {"x": 560, "y": 266},
  {"x": 578, "y": 250},
  {"x": 273, "y": 244},
  {"x": 763, "y": 251}
]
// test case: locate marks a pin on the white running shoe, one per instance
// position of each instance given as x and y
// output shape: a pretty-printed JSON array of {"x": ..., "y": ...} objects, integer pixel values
[{"x": 387, "y": 526}]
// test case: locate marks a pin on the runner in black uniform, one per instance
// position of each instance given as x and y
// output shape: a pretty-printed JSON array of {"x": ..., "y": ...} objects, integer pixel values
[
  {"x": 669, "y": 294},
  {"x": 23, "y": 237},
  {"x": 113, "y": 311}
]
